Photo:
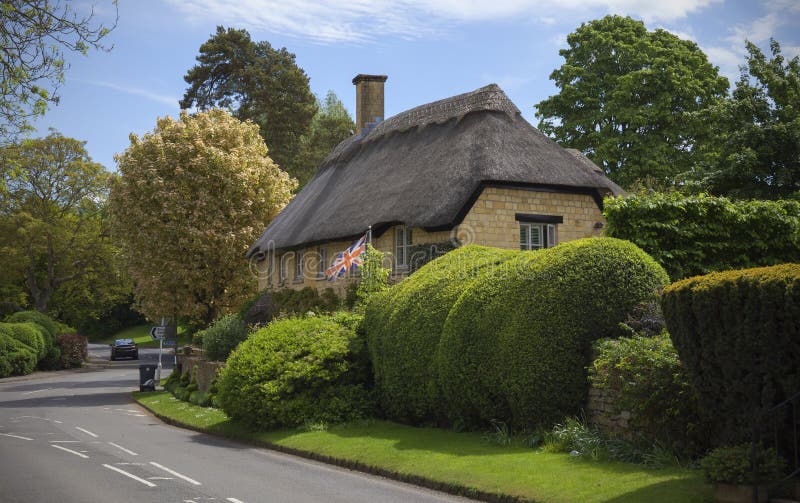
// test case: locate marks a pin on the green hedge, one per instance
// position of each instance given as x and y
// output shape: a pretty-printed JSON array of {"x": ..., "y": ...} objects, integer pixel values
[
  {"x": 16, "y": 358},
  {"x": 296, "y": 370},
  {"x": 647, "y": 379},
  {"x": 222, "y": 337},
  {"x": 516, "y": 344},
  {"x": 737, "y": 333},
  {"x": 404, "y": 325},
  {"x": 50, "y": 327},
  {"x": 30, "y": 334},
  {"x": 700, "y": 234}
]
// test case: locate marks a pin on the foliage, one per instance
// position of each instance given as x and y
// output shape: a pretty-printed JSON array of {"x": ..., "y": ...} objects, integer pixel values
[
  {"x": 374, "y": 277},
  {"x": 516, "y": 344},
  {"x": 330, "y": 126},
  {"x": 734, "y": 465},
  {"x": 754, "y": 146},
  {"x": 289, "y": 301},
  {"x": 296, "y": 370},
  {"x": 116, "y": 318},
  {"x": 53, "y": 234},
  {"x": 627, "y": 96},
  {"x": 255, "y": 82},
  {"x": 648, "y": 381},
  {"x": 690, "y": 235},
  {"x": 73, "y": 348},
  {"x": 421, "y": 254},
  {"x": 736, "y": 333},
  {"x": 16, "y": 358},
  {"x": 30, "y": 334},
  {"x": 48, "y": 324},
  {"x": 34, "y": 36},
  {"x": 223, "y": 336},
  {"x": 191, "y": 197},
  {"x": 404, "y": 324}
]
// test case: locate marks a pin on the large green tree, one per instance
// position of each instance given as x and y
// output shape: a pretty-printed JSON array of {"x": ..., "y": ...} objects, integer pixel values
[
  {"x": 626, "y": 98},
  {"x": 191, "y": 197},
  {"x": 34, "y": 37},
  {"x": 55, "y": 252},
  {"x": 257, "y": 82},
  {"x": 331, "y": 124},
  {"x": 754, "y": 150}
]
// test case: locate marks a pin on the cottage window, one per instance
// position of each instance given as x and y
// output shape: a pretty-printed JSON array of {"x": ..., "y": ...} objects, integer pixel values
[
  {"x": 323, "y": 263},
  {"x": 298, "y": 267},
  {"x": 283, "y": 269},
  {"x": 536, "y": 236},
  {"x": 402, "y": 246}
]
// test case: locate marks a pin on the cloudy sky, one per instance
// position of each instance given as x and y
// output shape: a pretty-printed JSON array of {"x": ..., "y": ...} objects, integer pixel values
[{"x": 430, "y": 49}]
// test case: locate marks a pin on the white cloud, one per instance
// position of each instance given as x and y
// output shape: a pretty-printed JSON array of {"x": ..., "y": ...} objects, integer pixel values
[
  {"x": 160, "y": 98},
  {"x": 359, "y": 21}
]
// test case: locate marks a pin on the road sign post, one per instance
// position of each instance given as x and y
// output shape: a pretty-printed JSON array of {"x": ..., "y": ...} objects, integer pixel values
[{"x": 158, "y": 333}]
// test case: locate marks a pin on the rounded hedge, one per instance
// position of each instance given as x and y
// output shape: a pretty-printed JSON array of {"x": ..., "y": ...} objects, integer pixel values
[
  {"x": 737, "y": 333},
  {"x": 223, "y": 336},
  {"x": 30, "y": 334},
  {"x": 404, "y": 324},
  {"x": 298, "y": 370},
  {"x": 16, "y": 358},
  {"x": 50, "y": 327},
  {"x": 516, "y": 344}
]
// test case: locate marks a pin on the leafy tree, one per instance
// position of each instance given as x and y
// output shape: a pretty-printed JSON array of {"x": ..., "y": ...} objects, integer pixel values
[
  {"x": 34, "y": 36},
  {"x": 331, "y": 125},
  {"x": 191, "y": 197},
  {"x": 53, "y": 241},
  {"x": 257, "y": 82},
  {"x": 754, "y": 151},
  {"x": 626, "y": 99}
]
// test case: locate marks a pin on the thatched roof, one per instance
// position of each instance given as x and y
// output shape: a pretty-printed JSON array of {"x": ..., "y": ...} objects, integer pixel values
[{"x": 424, "y": 168}]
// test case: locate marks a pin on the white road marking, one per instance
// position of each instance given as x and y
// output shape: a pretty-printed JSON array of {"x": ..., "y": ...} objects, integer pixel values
[
  {"x": 15, "y": 436},
  {"x": 65, "y": 441},
  {"x": 159, "y": 478},
  {"x": 173, "y": 472},
  {"x": 84, "y": 456},
  {"x": 134, "y": 477},
  {"x": 234, "y": 500},
  {"x": 123, "y": 449},
  {"x": 86, "y": 431},
  {"x": 130, "y": 464},
  {"x": 128, "y": 410},
  {"x": 36, "y": 391}
]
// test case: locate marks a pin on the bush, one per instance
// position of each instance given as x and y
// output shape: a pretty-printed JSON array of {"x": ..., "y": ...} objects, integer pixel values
[
  {"x": 41, "y": 319},
  {"x": 30, "y": 334},
  {"x": 296, "y": 370},
  {"x": 736, "y": 333},
  {"x": 74, "y": 350},
  {"x": 16, "y": 358},
  {"x": 223, "y": 336},
  {"x": 52, "y": 360},
  {"x": 733, "y": 465},
  {"x": 691, "y": 235},
  {"x": 648, "y": 381},
  {"x": 306, "y": 299},
  {"x": 404, "y": 324},
  {"x": 116, "y": 319},
  {"x": 516, "y": 344}
]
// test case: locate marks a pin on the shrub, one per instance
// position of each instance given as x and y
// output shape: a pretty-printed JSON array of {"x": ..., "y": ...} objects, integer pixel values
[
  {"x": 223, "y": 336},
  {"x": 41, "y": 319},
  {"x": 404, "y": 324},
  {"x": 648, "y": 381},
  {"x": 74, "y": 350},
  {"x": 16, "y": 358},
  {"x": 736, "y": 333},
  {"x": 733, "y": 465},
  {"x": 52, "y": 360},
  {"x": 296, "y": 370},
  {"x": 30, "y": 334},
  {"x": 374, "y": 277},
  {"x": 516, "y": 344},
  {"x": 691, "y": 235}
]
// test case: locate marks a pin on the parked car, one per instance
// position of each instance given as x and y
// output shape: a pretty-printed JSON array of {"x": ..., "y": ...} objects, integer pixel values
[{"x": 124, "y": 347}]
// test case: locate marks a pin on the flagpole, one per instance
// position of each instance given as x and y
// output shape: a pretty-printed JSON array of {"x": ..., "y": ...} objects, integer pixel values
[{"x": 369, "y": 235}]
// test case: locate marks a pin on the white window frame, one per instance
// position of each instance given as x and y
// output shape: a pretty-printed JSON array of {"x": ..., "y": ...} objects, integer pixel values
[
  {"x": 403, "y": 240},
  {"x": 298, "y": 266},
  {"x": 283, "y": 269},
  {"x": 547, "y": 236},
  {"x": 323, "y": 263}
]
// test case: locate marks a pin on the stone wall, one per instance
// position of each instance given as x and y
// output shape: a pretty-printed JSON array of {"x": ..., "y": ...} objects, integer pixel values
[
  {"x": 602, "y": 411},
  {"x": 206, "y": 370}
]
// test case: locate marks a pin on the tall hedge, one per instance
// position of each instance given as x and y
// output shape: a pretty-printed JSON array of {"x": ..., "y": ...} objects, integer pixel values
[
  {"x": 701, "y": 234},
  {"x": 296, "y": 370},
  {"x": 738, "y": 335},
  {"x": 16, "y": 358},
  {"x": 30, "y": 334},
  {"x": 404, "y": 324},
  {"x": 50, "y": 328},
  {"x": 516, "y": 345}
]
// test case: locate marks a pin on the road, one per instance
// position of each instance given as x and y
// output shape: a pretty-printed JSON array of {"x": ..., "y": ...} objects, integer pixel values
[{"x": 77, "y": 436}]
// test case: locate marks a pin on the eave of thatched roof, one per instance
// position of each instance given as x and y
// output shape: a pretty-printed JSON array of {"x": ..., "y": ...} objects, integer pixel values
[{"x": 424, "y": 168}]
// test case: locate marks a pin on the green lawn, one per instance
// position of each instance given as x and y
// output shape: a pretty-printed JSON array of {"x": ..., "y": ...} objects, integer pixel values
[
  {"x": 141, "y": 336},
  {"x": 461, "y": 462}
]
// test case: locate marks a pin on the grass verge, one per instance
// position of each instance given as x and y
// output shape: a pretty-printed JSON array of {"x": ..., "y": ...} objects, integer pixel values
[{"x": 459, "y": 463}]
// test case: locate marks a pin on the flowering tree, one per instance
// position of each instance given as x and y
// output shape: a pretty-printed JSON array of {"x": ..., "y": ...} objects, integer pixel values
[{"x": 191, "y": 197}]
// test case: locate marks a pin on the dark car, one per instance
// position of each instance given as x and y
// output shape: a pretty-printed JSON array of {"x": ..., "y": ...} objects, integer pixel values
[{"x": 124, "y": 347}]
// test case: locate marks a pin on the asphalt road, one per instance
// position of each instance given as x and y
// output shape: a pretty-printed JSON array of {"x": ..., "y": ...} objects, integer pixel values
[{"x": 76, "y": 436}]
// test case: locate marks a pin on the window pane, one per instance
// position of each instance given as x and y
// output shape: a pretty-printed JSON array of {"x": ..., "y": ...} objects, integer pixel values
[
  {"x": 536, "y": 237},
  {"x": 523, "y": 237},
  {"x": 551, "y": 236}
]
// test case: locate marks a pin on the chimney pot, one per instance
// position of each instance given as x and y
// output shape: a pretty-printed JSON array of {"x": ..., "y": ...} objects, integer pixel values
[{"x": 369, "y": 99}]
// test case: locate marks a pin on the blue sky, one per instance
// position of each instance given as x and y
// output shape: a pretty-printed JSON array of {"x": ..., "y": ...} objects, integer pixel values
[{"x": 430, "y": 49}]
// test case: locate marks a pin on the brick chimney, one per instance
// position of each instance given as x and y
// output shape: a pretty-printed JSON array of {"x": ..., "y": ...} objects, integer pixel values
[{"x": 369, "y": 100}]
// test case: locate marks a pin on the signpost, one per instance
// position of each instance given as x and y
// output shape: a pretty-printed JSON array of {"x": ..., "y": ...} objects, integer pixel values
[{"x": 157, "y": 333}]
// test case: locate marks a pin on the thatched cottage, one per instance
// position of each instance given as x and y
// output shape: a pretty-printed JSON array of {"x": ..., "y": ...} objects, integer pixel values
[{"x": 469, "y": 167}]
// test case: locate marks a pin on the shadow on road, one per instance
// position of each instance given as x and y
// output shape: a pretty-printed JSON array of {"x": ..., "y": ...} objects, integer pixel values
[{"x": 93, "y": 400}]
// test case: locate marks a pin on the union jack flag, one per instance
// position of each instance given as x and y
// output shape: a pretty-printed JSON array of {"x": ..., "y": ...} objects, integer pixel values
[{"x": 350, "y": 259}]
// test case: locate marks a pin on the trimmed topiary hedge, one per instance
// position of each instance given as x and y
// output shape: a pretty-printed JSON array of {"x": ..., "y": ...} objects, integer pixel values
[
  {"x": 222, "y": 337},
  {"x": 30, "y": 334},
  {"x": 50, "y": 327},
  {"x": 691, "y": 235},
  {"x": 516, "y": 344},
  {"x": 16, "y": 358},
  {"x": 404, "y": 325},
  {"x": 737, "y": 334},
  {"x": 297, "y": 370}
]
